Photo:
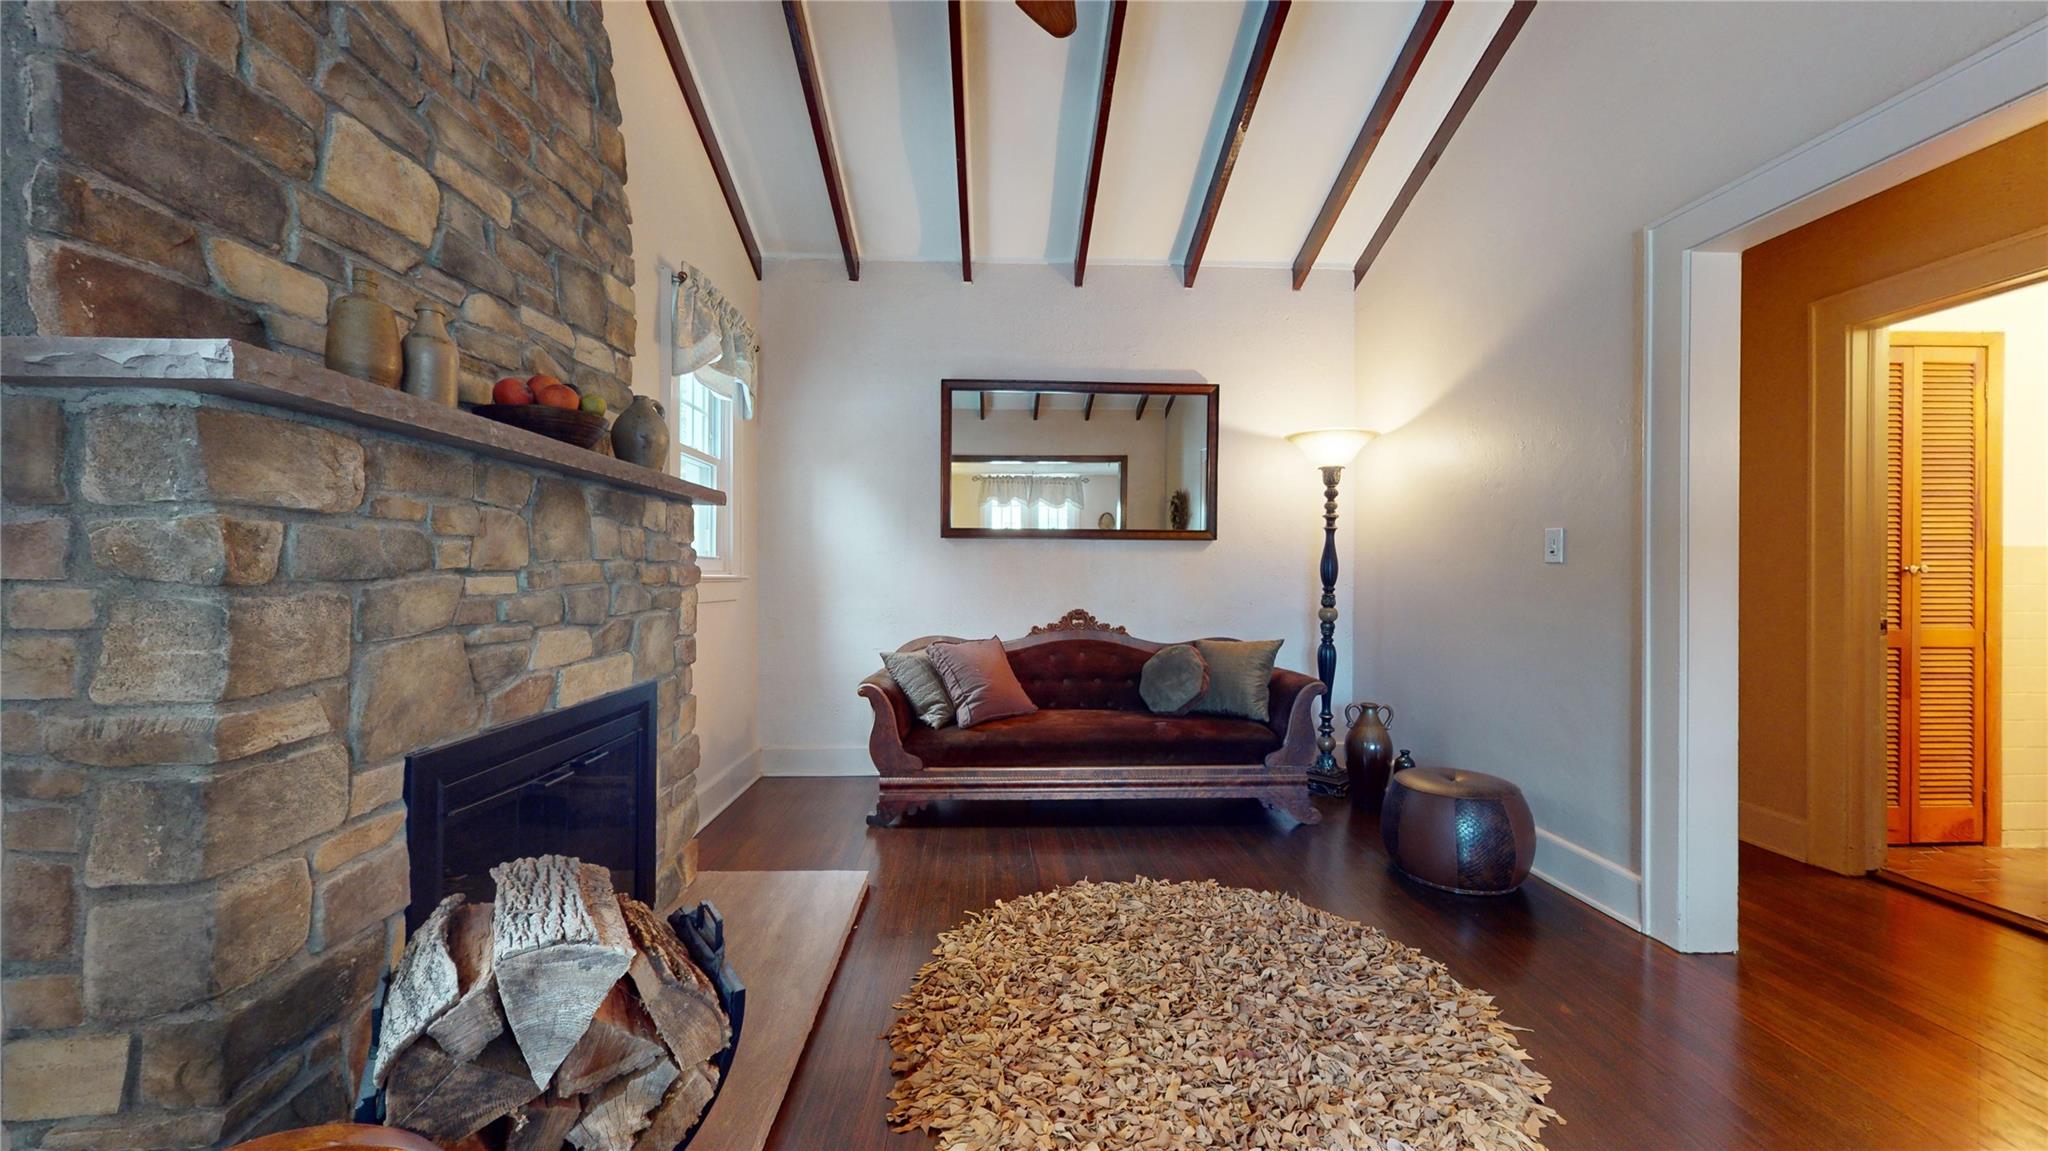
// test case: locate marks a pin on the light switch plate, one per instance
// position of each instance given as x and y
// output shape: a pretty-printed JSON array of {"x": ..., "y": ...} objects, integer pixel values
[{"x": 1553, "y": 545}]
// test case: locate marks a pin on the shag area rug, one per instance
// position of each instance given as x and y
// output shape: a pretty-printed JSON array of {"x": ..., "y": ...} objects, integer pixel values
[{"x": 1188, "y": 1015}]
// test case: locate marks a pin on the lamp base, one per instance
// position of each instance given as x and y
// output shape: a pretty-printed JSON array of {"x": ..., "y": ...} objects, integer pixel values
[{"x": 1325, "y": 777}]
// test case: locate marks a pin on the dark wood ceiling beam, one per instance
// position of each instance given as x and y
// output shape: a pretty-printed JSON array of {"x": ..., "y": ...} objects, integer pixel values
[
  {"x": 672, "y": 44},
  {"x": 1110, "y": 49},
  {"x": 1055, "y": 16},
  {"x": 1088, "y": 409},
  {"x": 1409, "y": 62},
  {"x": 1142, "y": 401},
  {"x": 1264, "y": 44},
  {"x": 821, "y": 130},
  {"x": 954, "y": 35},
  {"x": 1496, "y": 48}
]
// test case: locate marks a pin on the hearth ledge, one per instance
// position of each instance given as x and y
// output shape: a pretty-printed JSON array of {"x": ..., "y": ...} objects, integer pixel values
[{"x": 257, "y": 375}]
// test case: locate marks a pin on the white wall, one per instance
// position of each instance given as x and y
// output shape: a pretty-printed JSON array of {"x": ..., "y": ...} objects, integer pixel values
[
  {"x": 854, "y": 563},
  {"x": 1498, "y": 348},
  {"x": 2023, "y": 651},
  {"x": 680, "y": 216}
]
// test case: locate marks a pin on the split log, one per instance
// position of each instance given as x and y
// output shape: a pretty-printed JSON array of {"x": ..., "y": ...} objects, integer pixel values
[
  {"x": 621, "y": 1109},
  {"x": 559, "y": 943},
  {"x": 545, "y": 1124},
  {"x": 619, "y": 1041},
  {"x": 426, "y": 984},
  {"x": 444, "y": 1100},
  {"x": 680, "y": 1109},
  {"x": 678, "y": 997},
  {"x": 468, "y": 1026}
]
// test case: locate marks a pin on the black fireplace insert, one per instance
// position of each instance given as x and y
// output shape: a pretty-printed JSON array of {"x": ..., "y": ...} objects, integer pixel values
[{"x": 578, "y": 781}]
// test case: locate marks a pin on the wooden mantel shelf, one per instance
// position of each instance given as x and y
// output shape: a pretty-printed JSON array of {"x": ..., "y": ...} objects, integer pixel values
[{"x": 256, "y": 375}]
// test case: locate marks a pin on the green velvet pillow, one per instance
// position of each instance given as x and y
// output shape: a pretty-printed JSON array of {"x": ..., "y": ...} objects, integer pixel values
[
  {"x": 1173, "y": 679},
  {"x": 913, "y": 672},
  {"x": 1240, "y": 676}
]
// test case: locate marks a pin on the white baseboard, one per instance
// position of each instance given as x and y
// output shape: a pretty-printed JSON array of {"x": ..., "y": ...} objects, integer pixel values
[
  {"x": 717, "y": 788},
  {"x": 1601, "y": 883},
  {"x": 1773, "y": 831},
  {"x": 779, "y": 761}
]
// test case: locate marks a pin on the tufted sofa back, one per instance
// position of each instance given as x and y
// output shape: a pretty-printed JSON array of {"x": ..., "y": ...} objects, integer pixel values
[{"x": 1081, "y": 673}]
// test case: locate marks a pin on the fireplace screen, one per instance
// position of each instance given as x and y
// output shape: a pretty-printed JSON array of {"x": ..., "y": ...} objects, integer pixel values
[{"x": 576, "y": 782}]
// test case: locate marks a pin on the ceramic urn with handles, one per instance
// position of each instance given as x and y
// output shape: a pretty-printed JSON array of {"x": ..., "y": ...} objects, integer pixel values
[
  {"x": 1368, "y": 751},
  {"x": 640, "y": 434}
]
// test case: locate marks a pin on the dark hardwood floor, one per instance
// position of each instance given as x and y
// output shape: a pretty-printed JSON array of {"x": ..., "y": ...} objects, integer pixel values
[{"x": 1856, "y": 1015}]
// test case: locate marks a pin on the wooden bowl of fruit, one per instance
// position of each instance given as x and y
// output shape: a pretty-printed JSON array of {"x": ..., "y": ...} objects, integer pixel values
[{"x": 548, "y": 406}]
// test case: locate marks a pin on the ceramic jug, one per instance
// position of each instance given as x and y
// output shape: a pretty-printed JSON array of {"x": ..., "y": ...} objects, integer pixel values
[
  {"x": 431, "y": 358},
  {"x": 1368, "y": 751},
  {"x": 362, "y": 334},
  {"x": 640, "y": 434}
]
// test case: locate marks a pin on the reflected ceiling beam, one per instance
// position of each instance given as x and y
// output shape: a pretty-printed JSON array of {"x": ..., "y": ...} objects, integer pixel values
[
  {"x": 1036, "y": 397},
  {"x": 1109, "y": 55},
  {"x": 672, "y": 44},
  {"x": 1088, "y": 409},
  {"x": 1142, "y": 401},
  {"x": 1263, "y": 46},
  {"x": 821, "y": 130},
  {"x": 1427, "y": 24},
  {"x": 953, "y": 36},
  {"x": 1496, "y": 48}
]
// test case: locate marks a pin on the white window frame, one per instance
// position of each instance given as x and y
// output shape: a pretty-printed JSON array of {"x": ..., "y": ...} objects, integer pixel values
[{"x": 726, "y": 564}]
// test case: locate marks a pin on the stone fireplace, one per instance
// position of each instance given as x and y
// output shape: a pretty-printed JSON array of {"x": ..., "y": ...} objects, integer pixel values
[
  {"x": 239, "y": 594},
  {"x": 241, "y": 590}
]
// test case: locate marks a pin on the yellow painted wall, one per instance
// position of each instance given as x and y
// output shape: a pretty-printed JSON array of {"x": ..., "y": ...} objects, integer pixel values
[{"x": 1978, "y": 199}]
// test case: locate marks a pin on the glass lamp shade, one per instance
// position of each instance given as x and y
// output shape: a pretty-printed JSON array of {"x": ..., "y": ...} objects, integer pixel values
[{"x": 1332, "y": 447}]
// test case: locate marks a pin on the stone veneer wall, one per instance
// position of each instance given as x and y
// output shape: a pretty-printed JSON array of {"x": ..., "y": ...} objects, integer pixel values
[
  {"x": 194, "y": 168},
  {"x": 224, "y": 628}
]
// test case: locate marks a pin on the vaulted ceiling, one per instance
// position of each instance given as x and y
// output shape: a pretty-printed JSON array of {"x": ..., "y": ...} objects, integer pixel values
[{"x": 883, "y": 75}]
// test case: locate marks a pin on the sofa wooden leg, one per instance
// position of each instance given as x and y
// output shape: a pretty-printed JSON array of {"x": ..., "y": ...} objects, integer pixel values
[
  {"x": 890, "y": 812},
  {"x": 1292, "y": 807}
]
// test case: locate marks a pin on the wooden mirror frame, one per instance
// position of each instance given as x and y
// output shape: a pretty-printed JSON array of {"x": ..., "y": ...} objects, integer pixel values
[{"x": 947, "y": 389}]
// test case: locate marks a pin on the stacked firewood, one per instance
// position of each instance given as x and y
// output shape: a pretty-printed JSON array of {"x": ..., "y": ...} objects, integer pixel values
[{"x": 562, "y": 1014}]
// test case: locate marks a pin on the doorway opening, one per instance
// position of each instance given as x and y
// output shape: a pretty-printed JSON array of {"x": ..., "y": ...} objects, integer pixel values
[{"x": 1965, "y": 700}]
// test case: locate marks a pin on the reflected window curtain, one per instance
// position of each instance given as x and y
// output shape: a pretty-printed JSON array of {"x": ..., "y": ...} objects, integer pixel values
[
  {"x": 1003, "y": 500},
  {"x": 1013, "y": 502},
  {"x": 1056, "y": 504}
]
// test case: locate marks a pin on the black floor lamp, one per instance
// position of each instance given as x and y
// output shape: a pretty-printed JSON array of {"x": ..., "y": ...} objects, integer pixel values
[{"x": 1329, "y": 449}]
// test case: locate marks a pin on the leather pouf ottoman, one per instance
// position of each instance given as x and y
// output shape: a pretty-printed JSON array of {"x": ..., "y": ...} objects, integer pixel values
[{"x": 1462, "y": 831}]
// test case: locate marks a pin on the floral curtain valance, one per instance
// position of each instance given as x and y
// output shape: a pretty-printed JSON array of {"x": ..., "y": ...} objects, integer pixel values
[
  {"x": 1055, "y": 491},
  {"x": 712, "y": 339}
]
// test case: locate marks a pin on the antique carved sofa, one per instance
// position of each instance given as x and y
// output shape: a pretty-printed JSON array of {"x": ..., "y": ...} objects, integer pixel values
[{"x": 1093, "y": 737}]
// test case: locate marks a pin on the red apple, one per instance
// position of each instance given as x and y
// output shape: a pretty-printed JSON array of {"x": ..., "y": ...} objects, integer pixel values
[{"x": 511, "y": 390}]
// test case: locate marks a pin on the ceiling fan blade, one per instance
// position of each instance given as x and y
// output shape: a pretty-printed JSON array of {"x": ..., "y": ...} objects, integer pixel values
[{"x": 1055, "y": 16}]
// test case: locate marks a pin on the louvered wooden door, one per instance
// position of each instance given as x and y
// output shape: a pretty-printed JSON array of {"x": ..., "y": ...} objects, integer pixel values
[{"x": 1937, "y": 467}]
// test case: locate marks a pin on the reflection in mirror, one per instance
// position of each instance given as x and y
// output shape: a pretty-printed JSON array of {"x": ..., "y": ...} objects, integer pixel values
[{"x": 1122, "y": 460}]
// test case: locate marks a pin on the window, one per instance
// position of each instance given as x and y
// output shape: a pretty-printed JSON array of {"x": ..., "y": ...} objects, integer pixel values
[{"x": 704, "y": 455}]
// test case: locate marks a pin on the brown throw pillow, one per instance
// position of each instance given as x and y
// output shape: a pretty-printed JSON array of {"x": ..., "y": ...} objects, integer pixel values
[
  {"x": 1173, "y": 679},
  {"x": 977, "y": 675},
  {"x": 1240, "y": 676}
]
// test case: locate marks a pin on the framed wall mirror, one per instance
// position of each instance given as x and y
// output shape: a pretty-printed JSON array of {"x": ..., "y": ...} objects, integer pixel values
[{"x": 1074, "y": 460}]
